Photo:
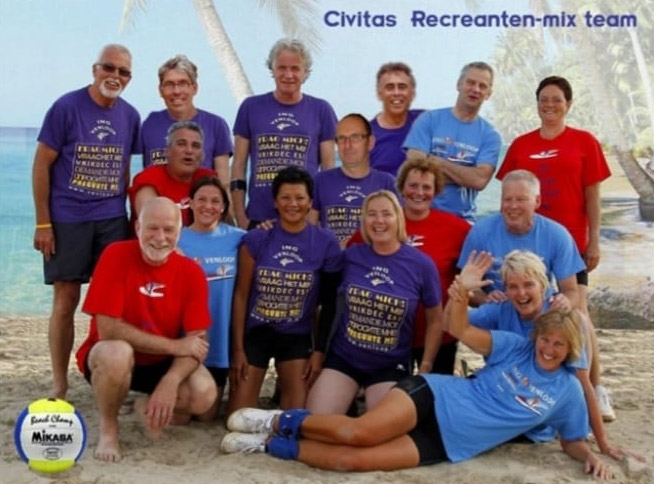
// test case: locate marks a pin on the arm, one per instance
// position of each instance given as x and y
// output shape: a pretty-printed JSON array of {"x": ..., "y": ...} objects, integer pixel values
[
  {"x": 568, "y": 288},
  {"x": 239, "y": 164},
  {"x": 433, "y": 337},
  {"x": 43, "y": 237},
  {"x": 593, "y": 212},
  {"x": 221, "y": 166},
  {"x": 245, "y": 274},
  {"x": 327, "y": 154},
  {"x": 143, "y": 195},
  {"x": 476, "y": 177},
  {"x": 194, "y": 344},
  {"x": 579, "y": 450}
]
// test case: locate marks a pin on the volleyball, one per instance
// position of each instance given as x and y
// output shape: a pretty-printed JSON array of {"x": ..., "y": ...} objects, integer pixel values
[{"x": 50, "y": 435}]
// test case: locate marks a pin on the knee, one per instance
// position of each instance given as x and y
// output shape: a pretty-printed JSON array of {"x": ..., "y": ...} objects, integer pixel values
[
  {"x": 201, "y": 391},
  {"x": 113, "y": 359},
  {"x": 354, "y": 433}
]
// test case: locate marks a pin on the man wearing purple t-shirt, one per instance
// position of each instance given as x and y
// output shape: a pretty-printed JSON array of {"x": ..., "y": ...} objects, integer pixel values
[
  {"x": 80, "y": 176},
  {"x": 281, "y": 128},
  {"x": 339, "y": 192}
]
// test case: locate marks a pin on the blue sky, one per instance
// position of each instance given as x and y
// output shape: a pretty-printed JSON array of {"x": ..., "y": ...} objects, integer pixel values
[{"x": 47, "y": 48}]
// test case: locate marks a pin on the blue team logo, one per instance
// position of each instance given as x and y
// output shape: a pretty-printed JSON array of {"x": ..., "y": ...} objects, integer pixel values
[
  {"x": 150, "y": 289},
  {"x": 224, "y": 271},
  {"x": 543, "y": 155},
  {"x": 534, "y": 404}
]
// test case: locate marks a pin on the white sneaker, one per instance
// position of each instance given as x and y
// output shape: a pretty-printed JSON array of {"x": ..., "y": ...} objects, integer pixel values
[
  {"x": 252, "y": 420},
  {"x": 238, "y": 442},
  {"x": 604, "y": 403}
]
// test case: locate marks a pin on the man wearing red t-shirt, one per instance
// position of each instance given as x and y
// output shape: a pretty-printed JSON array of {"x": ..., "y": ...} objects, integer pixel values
[
  {"x": 174, "y": 179},
  {"x": 149, "y": 313}
]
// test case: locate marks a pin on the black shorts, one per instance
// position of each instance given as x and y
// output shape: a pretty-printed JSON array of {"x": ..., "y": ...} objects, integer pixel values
[
  {"x": 145, "y": 378},
  {"x": 219, "y": 375},
  {"x": 78, "y": 247},
  {"x": 426, "y": 434},
  {"x": 364, "y": 379},
  {"x": 444, "y": 361},
  {"x": 582, "y": 277},
  {"x": 263, "y": 343}
]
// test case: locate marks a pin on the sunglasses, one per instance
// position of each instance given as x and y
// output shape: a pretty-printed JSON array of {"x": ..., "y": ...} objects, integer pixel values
[{"x": 110, "y": 69}]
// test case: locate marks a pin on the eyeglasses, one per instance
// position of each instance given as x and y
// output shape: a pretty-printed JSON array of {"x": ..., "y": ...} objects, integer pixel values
[
  {"x": 110, "y": 69},
  {"x": 171, "y": 85},
  {"x": 353, "y": 138}
]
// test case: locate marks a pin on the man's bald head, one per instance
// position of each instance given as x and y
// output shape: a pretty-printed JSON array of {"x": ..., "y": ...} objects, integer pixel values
[{"x": 158, "y": 228}]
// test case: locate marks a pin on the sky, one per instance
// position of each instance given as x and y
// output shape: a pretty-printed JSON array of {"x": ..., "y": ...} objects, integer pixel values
[{"x": 47, "y": 48}]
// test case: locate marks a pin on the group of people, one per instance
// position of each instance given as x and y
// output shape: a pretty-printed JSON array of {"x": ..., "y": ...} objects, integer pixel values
[{"x": 351, "y": 278}]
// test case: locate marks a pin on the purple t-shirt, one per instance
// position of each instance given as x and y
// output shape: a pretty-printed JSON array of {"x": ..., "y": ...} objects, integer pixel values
[
  {"x": 388, "y": 154},
  {"x": 94, "y": 146},
  {"x": 284, "y": 288},
  {"x": 217, "y": 140},
  {"x": 338, "y": 198},
  {"x": 281, "y": 135},
  {"x": 381, "y": 296}
]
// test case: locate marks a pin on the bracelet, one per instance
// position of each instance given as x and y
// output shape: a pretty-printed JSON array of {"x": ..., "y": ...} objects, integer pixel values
[
  {"x": 43, "y": 226},
  {"x": 236, "y": 185}
]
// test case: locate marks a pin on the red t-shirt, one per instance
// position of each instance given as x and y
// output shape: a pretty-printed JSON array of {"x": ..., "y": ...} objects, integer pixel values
[
  {"x": 158, "y": 178},
  {"x": 441, "y": 237},
  {"x": 565, "y": 166},
  {"x": 168, "y": 300}
]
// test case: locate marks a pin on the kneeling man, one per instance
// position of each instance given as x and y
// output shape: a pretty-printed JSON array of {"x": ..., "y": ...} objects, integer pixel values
[{"x": 148, "y": 308}]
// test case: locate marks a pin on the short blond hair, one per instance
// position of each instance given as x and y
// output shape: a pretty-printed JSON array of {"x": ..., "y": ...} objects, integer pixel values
[
  {"x": 397, "y": 208},
  {"x": 525, "y": 263},
  {"x": 566, "y": 321}
]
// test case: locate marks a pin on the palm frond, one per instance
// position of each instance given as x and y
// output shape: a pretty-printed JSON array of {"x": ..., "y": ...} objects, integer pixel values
[
  {"x": 128, "y": 16},
  {"x": 297, "y": 18}
]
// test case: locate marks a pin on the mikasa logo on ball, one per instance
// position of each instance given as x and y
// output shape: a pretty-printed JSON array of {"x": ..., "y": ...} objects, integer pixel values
[{"x": 47, "y": 438}]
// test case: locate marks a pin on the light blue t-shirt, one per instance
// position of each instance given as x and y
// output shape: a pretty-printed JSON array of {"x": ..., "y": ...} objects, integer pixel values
[
  {"x": 217, "y": 253},
  {"x": 509, "y": 396},
  {"x": 466, "y": 143},
  {"x": 547, "y": 239}
]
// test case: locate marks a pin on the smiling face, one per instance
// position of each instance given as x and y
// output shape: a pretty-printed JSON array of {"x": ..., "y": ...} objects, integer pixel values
[
  {"x": 292, "y": 203},
  {"x": 177, "y": 90},
  {"x": 525, "y": 293},
  {"x": 552, "y": 349},
  {"x": 552, "y": 105},
  {"x": 396, "y": 92},
  {"x": 158, "y": 229},
  {"x": 107, "y": 78},
  {"x": 380, "y": 222},
  {"x": 474, "y": 88},
  {"x": 418, "y": 192},
  {"x": 518, "y": 206},
  {"x": 184, "y": 154},
  {"x": 289, "y": 72},
  {"x": 207, "y": 206}
]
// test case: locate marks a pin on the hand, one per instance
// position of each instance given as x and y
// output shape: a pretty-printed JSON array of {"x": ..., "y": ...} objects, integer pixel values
[
  {"x": 425, "y": 367},
  {"x": 161, "y": 404},
  {"x": 476, "y": 266},
  {"x": 194, "y": 345},
  {"x": 560, "y": 301},
  {"x": 242, "y": 221},
  {"x": 238, "y": 371},
  {"x": 618, "y": 453},
  {"x": 44, "y": 242},
  {"x": 267, "y": 224},
  {"x": 313, "y": 368},
  {"x": 596, "y": 468},
  {"x": 496, "y": 296},
  {"x": 592, "y": 255}
]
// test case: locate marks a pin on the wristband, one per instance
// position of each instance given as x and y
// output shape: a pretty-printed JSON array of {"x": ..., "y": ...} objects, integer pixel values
[
  {"x": 236, "y": 185},
  {"x": 43, "y": 226}
]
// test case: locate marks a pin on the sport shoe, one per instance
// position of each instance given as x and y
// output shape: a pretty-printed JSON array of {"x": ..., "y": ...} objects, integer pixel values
[
  {"x": 604, "y": 403},
  {"x": 238, "y": 442},
  {"x": 252, "y": 420}
]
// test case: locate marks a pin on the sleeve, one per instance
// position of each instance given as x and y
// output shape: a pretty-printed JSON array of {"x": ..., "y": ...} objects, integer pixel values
[
  {"x": 146, "y": 178},
  {"x": 105, "y": 294},
  {"x": 242, "y": 122},
  {"x": 327, "y": 123},
  {"x": 333, "y": 261},
  {"x": 485, "y": 316},
  {"x": 489, "y": 151},
  {"x": 595, "y": 167},
  {"x": 316, "y": 203},
  {"x": 254, "y": 241},
  {"x": 56, "y": 124},
  {"x": 137, "y": 144},
  {"x": 505, "y": 344},
  {"x": 223, "y": 140},
  {"x": 470, "y": 243},
  {"x": 419, "y": 137},
  {"x": 196, "y": 306},
  {"x": 571, "y": 418},
  {"x": 566, "y": 260},
  {"x": 509, "y": 162},
  {"x": 431, "y": 285}
]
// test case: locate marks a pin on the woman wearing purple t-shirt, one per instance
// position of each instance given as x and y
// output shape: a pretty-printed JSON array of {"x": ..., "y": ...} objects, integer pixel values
[
  {"x": 384, "y": 280},
  {"x": 280, "y": 272}
]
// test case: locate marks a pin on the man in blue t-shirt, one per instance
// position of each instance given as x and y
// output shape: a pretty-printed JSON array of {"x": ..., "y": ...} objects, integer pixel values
[{"x": 464, "y": 145}]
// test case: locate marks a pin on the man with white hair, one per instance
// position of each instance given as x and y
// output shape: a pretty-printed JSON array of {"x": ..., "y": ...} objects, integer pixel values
[
  {"x": 79, "y": 178},
  {"x": 149, "y": 312}
]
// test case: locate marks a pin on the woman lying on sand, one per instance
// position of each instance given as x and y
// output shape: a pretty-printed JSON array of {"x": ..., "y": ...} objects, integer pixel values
[{"x": 430, "y": 418}]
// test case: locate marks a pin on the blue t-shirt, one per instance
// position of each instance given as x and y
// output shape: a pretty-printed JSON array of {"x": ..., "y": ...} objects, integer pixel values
[
  {"x": 339, "y": 197},
  {"x": 466, "y": 143},
  {"x": 387, "y": 155},
  {"x": 217, "y": 253},
  {"x": 509, "y": 396},
  {"x": 381, "y": 294},
  {"x": 547, "y": 239},
  {"x": 286, "y": 278}
]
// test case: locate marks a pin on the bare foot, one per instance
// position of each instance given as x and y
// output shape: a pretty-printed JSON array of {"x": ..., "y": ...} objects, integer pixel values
[
  {"x": 108, "y": 449},
  {"x": 140, "y": 407},
  {"x": 59, "y": 390}
]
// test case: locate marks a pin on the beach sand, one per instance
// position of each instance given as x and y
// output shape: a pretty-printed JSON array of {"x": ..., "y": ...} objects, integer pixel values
[{"x": 622, "y": 297}]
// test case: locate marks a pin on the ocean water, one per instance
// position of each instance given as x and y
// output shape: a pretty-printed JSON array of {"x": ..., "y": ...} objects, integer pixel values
[{"x": 22, "y": 291}]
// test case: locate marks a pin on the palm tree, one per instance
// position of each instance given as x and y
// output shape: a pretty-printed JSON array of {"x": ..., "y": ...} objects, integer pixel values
[{"x": 295, "y": 15}]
